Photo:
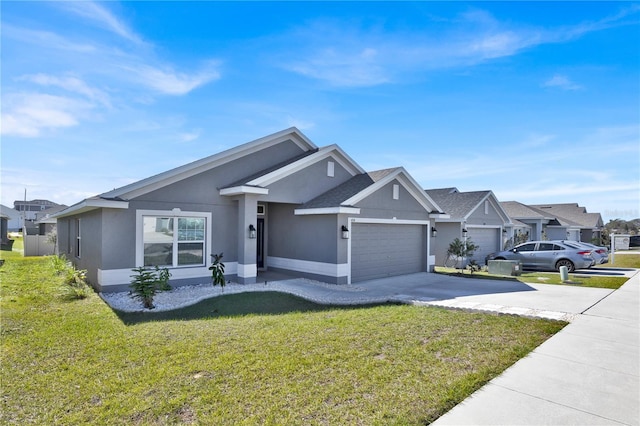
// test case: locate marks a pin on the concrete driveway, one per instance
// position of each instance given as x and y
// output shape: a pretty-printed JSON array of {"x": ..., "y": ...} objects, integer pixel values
[{"x": 509, "y": 297}]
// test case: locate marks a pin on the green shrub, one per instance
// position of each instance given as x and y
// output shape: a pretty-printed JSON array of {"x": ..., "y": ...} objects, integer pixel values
[
  {"x": 74, "y": 285},
  {"x": 146, "y": 283},
  {"x": 217, "y": 270}
]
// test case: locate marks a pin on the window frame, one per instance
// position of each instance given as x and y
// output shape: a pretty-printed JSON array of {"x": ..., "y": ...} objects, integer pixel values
[
  {"x": 78, "y": 241},
  {"x": 175, "y": 214}
]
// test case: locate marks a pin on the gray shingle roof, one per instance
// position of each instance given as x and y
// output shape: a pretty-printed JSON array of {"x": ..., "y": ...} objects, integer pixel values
[
  {"x": 334, "y": 197},
  {"x": 573, "y": 213},
  {"x": 457, "y": 204},
  {"x": 260, "y": 173}
]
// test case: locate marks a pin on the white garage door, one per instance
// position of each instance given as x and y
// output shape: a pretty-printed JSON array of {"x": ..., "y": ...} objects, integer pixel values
[
  {"x": 384, "y": 250},
  {"x": 488, "y": 240}
]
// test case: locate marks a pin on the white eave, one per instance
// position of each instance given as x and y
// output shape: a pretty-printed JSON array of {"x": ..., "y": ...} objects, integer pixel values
[
  {"x": 439, "y": 216},
  {"x": 327, "y": 210},
  {"x": 244, "y": 189},
  {"x": 91, "y": 204}
]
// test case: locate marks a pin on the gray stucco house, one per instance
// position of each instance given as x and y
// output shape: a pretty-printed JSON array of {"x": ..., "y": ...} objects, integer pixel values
[
  {"x": 479, "y": 213},
  {"x": 567, "y": 221},
  {"x": 276, "y": 203}
]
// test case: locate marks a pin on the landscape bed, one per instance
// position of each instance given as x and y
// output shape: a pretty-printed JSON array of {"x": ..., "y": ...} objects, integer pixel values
[{"x": 252, "y": 358}]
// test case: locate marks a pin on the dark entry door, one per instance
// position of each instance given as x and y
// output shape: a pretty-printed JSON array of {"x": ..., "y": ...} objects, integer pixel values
[{"x": 260, "y": 243}]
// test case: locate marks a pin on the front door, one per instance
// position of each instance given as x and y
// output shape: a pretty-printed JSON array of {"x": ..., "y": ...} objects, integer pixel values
[{"x": 260, "y": 243}]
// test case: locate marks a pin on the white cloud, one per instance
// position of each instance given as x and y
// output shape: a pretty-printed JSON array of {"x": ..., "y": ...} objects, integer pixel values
[
  {"x": 343, "y": 68},
  {"x": 342, "y": 54},
  {"x": 69, "y": 83},
  {"x": 562, "y": 82},
  {"x": 189, "y": 136},
  {"x": 45, "y": 39},
  {"x": 28, "y": 114},
  {"x": 170, "y": 82},
  {"x": 104, "y": 18}
]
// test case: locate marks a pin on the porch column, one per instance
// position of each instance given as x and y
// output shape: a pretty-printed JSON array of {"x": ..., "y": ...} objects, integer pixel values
[{"x": 247, "y": 216}]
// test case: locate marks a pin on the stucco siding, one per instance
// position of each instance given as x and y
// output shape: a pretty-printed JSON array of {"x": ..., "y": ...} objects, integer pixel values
[
  {"x": 381, "y": 205},
  {"x": 307, "y": 184},
  {"x": 479, "y": 217},
  {"x": 447, "y": 232},
  {"x": 312, "y": 238}
]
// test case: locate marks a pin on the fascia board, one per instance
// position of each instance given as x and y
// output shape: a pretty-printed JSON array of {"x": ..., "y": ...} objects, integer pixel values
[
  {"x": 244, "y": 189},
  {"x": 327, "y": 210},
  {"x": 329, "y": 151},
  {"x": 443, "y": 216},
  {"x": 182, "y": 172},
  {"x": 91, "y": 204}
]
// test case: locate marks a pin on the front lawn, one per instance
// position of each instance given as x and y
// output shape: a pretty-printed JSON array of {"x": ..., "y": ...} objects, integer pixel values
[
  {"x": 77, "y": 362},
  {"x": 577, "y": 279}
]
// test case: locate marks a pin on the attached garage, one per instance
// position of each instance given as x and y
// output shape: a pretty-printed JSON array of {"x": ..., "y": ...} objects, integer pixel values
[
  {"x": 488, "y": 240},
  {"x": 380, "y": 250}
]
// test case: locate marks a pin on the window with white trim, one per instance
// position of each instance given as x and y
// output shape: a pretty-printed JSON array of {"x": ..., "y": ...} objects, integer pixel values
[
  {"x": 173, "y": 240},
  {"x": 78, "y": 238}
]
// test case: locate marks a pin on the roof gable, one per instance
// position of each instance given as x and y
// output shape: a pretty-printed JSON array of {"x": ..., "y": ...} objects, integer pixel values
[
  {"x": 361, "y": 186},
  {"x": 179, "y": 173},
  {"x": 461, "y": 205}
]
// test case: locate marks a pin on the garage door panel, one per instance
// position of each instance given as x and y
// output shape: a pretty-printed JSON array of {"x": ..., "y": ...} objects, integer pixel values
[
  {"x": 488, "y": 240},
  {"x": 383, "y": 250}
]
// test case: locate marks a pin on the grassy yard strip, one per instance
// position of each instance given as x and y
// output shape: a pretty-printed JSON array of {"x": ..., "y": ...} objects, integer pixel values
[
  {"x": 542, "y": 278},
  {"x": 78, "y": 362},
  {"x": 623, "y": 260}
]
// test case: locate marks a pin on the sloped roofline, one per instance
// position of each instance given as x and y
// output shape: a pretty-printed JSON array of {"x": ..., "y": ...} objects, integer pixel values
[
  {"x": 491, "y": 197},
  {"x": 407, "y": 182},
  {"x": 325, "y": 152},
  {"x": 188, "y": 170}
]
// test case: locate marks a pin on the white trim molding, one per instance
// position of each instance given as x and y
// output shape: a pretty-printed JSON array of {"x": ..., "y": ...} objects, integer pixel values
[
  {"x": 310, "y": 267},
  {"x": 91, "y": 204},
  {"x": 170, "y": 213},
  {"x": 247, "y": 271},
  {"x": 327, "y": 210},
  {"x": 244, "y": 189}
]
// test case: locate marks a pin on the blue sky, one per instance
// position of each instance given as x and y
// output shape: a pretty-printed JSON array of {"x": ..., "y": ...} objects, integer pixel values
[{"x": 538, "y": 102}]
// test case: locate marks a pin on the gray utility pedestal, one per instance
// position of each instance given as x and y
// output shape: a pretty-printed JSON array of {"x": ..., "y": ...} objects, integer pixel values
[{"x": 505, "y": 267}]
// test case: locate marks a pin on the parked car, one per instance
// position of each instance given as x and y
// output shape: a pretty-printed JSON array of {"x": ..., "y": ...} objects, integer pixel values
[
  {"x": 634, "y": 241},
  {"x": 547, "y": 255},
  {"x": 600, "y": 254}
]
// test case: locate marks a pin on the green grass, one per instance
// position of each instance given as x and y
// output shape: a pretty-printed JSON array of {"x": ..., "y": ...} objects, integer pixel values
[
  {"x": 613, "y": 282},
  {"x": 278, "y": 361},
  {"x": 624, "y": 260}
]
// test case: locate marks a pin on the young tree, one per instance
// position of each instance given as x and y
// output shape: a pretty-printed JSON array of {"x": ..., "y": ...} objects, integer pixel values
[{"x": 461, "y": 250}]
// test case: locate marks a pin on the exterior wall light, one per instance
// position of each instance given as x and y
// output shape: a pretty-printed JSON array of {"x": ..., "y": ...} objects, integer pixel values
[
  {"x": 345, "y": 232},
  {"x": 252, "y": 232},
  {"x": 434, "y": 232},
  {"x": 464, "y": 232}
]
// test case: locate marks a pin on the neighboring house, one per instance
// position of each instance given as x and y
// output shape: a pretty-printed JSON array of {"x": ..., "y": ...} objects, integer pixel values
[
  {"x": 586, "y": 227},
  {"x": 557, "y": 221},
  {"x": 5, "y": 242},
  {"x": 29, "y": 208},
  {"x": 479, "y": 213},
  {"x": 278, "y": 203},
  {"x": 14, "y": 219}
]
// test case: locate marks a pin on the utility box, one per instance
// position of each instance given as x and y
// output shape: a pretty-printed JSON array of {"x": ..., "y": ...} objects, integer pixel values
[{"x": 505, "y": 267}]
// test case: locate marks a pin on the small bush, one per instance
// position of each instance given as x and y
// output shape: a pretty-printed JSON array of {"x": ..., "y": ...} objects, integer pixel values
[
  {"x": 75, "y": 285},
  {"x": 146, "y": 283},
  {"x": 217, "y": 270}
]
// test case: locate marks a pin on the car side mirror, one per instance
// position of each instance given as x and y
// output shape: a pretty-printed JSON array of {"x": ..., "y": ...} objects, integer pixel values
[{"x": 514, "y": 250}]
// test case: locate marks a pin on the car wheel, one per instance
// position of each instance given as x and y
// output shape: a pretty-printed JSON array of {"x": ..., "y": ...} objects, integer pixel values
[{"x": 565, "y": 262}]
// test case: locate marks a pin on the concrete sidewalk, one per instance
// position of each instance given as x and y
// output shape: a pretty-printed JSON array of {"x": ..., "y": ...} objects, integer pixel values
[{"x": 587, "y": 374}]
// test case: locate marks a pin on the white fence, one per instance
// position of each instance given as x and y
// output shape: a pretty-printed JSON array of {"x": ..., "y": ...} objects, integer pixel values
[{"x": 37, "y": 245}]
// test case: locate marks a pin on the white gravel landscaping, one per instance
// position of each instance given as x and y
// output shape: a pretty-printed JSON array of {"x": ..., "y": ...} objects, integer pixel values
[{"x": 180, "y": 297}]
